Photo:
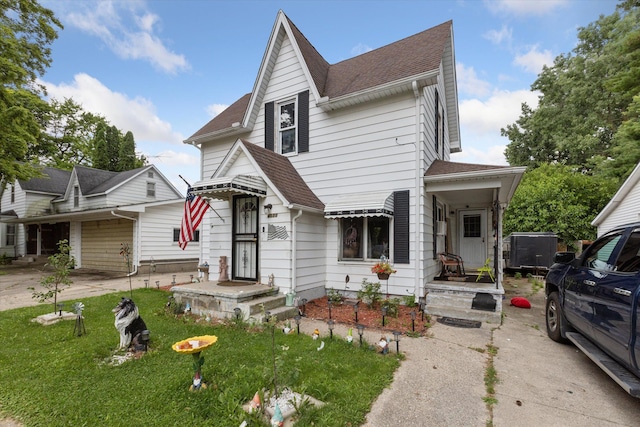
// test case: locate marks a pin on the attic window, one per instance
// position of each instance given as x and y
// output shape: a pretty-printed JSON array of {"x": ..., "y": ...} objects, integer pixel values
[
  {"x": 76, "y": 196},
  {"x": 287, "y": 127},
  {"x": 13, "y": 194},
  {"x": 150, "y": 174}
]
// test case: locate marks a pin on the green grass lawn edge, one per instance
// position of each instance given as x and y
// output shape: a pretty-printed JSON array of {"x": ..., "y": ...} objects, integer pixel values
[{"x": 51, "y": 377}]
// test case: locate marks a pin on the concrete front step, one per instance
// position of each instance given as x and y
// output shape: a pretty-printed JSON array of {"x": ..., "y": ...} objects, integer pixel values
[{"x": 470, "y": 302}]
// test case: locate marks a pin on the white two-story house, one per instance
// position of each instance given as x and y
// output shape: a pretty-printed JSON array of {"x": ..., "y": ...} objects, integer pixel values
[
  {"x": 98, "y": 212},
  {"x": 323, "y": 168}
]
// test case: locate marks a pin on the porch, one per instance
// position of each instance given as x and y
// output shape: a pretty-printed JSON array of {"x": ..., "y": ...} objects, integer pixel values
[{"x": 465, "y": 298}]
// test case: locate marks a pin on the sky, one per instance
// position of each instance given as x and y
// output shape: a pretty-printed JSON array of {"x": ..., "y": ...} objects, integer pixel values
[{"x": 163, "y": 68}]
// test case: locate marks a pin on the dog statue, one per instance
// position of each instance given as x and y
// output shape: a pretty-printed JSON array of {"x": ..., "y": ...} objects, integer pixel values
[{"x": 129, "y": 324}]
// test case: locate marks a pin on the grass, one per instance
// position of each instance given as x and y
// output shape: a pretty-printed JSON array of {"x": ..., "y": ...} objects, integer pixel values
[{"x": 50, "y": 377}]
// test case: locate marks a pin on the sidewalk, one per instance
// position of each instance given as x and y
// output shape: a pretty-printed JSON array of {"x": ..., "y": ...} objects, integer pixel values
[{"x": 441, "y": 380}]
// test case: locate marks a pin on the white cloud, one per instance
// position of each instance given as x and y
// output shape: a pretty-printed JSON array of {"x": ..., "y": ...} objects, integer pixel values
[
  {"x": 497, "y": 37},
  {"x": 360, "y": 48},
  {"x": 104, "y": 20},
  {"x": 533, "y": 60},
  {"x": 215, "y": 109},
  {"x": 524, "y": 8},
  {"x": 469, "y": 83},
  {"x": 486, "y": 118},
  {"x": 136, "y": 115},
  {"x": 481, "y": 121}
]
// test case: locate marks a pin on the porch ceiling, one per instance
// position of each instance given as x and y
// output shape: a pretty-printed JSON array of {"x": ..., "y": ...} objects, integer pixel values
[{"x": 475, "y": 186}]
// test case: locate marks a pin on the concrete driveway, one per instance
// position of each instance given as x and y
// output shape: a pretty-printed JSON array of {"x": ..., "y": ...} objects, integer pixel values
[{"x": 441, "y": 380}]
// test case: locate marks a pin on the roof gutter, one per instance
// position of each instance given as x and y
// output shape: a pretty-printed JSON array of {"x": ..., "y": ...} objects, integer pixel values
[
  {"x": 294, "y": 257},
  {"x": 135, "y": 263},
  {"x": 418, "y": 289}
]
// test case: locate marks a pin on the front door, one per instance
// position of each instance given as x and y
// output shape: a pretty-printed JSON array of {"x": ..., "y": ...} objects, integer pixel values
[
  {"x": 245, "y": 238},
  {"x": 473, "y": 235}
]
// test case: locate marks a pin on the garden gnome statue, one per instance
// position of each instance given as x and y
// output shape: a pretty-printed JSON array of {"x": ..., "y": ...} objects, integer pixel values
[{"x": 224, "y": 276}]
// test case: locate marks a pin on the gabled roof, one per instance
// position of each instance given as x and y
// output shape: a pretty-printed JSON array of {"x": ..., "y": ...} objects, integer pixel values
[
  {"x": 284, "y": 177},
  {"x": 273, "y": 170},
  {"x": 381, "y": 72},
  {"x": 627, "y": 186},
  {"x": 53, "y": 182},
  {"x": 96, "y": 181}
]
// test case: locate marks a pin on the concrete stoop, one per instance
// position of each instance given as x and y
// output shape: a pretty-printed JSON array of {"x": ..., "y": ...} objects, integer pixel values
[
  {"x": 474, "y": 302},
  {"x": 207, "y": 298}
]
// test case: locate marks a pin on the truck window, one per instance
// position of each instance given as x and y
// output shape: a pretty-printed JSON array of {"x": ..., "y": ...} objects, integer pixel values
[
  {"x": 629, "y": 259},
  {"x": 597, "y": 255}
]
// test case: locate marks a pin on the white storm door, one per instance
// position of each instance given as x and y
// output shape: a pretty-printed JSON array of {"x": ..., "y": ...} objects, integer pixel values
[{"x": 473, "y": 235}]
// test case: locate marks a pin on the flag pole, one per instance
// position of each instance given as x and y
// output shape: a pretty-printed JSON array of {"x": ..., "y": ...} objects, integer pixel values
[{"x": 189, "y": 187}]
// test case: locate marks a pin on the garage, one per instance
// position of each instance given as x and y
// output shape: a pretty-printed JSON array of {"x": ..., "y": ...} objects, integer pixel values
[{"x": 102, "y": 242}]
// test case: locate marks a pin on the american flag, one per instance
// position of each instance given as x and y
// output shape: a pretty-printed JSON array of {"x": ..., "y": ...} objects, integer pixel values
[{"x": 194, "y": 209}]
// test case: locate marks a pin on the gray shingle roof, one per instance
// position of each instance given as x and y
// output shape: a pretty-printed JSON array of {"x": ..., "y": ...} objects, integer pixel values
[
  {"x": 54, "y": 182},
  {"x": 97, "y": 181},
  {"x": 412, "y": 56},
  {"x": 284, "y": 176},
  {"x": 442, "y": 167}
]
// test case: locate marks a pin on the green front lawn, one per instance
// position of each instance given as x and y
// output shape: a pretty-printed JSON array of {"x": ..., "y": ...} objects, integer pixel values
[{"x": 50, "y": 377}]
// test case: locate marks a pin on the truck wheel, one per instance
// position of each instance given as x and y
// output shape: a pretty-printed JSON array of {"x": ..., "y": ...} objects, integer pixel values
[{"x": 555, "y": 318}]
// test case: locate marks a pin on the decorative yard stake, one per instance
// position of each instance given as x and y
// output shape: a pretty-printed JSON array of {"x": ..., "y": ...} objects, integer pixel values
[
  {"x": 195, "y": 346},
  {"x": 79, "y": 327},
  {"x": 125, "y": 252}
]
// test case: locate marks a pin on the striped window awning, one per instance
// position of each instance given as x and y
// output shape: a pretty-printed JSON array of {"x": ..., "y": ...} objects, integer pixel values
[
  {"x": 224, "y": 188},
  {"x": 360, "y": 205}
]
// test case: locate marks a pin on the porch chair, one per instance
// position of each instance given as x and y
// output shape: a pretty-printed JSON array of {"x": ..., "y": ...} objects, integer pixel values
[
  {"x": 451, "y": 260},
  {"x": 486, "y": 268}
]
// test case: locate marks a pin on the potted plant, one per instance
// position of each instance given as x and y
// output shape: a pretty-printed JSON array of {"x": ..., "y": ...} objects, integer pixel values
[{"x": 383, "y": 269}]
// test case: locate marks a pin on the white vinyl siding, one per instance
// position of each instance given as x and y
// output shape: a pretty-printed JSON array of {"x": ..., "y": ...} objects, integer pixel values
[{"x": 627, "y": 211}]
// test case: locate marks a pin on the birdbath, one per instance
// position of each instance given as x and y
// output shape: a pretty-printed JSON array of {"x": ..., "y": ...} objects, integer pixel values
[{"x": 194, "y": 346}]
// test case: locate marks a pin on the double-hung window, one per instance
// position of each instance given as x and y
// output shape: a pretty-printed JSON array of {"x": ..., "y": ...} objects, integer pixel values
[
  {"x": 287, "y": 131},
  {"x": 10, "y": 238},
  {"x": 151, "y": 189}
]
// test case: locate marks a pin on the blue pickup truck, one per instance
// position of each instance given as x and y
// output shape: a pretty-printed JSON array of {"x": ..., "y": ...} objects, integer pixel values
[{"x": 594, "y": 302}]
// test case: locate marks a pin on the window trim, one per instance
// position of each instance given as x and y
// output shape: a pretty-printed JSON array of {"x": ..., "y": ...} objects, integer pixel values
[
  {"x": 176, "y": 236},
  {"x": 11, "y": 233},
  {"x": 151, "y": 189},
  {"x": 364, "y": 239},
  {"x": 295, "y": 126}
]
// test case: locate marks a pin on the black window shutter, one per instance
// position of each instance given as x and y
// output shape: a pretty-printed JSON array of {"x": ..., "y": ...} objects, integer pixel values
[
  {"x": 269, "y": 124},
  {"x": 437, "y": 120},
  {"x": 303, "y": 122},
  {"x": 435, "y": 226},
  {"x": 401, "y": 227}
]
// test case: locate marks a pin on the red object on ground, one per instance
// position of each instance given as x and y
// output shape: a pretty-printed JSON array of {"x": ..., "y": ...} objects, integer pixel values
[{"x": 521, "y": 302}]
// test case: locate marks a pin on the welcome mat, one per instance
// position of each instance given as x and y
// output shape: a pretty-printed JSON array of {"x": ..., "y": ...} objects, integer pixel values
[{"x": 459, "y": 323}]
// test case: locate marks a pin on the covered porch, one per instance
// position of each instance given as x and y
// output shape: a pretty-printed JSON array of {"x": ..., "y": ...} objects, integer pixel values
[{"x": 468, "y": 204}]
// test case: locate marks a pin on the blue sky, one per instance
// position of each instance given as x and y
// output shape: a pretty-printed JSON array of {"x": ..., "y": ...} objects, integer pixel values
[{"x": 164, "y": 68}]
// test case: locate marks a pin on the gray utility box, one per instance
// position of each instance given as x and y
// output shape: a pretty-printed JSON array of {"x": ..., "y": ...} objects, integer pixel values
[{"x": 529, "y": 251}]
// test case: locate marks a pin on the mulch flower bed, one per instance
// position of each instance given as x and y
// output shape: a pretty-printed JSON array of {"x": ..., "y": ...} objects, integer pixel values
[{"x": 370, "y": 317}]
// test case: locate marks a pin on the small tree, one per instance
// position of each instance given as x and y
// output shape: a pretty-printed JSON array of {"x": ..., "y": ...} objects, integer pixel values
[{"x": 62, "y": 263}]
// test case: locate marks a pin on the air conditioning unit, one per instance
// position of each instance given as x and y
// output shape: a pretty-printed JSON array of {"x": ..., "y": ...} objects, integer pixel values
[{"x": 441, "y": 228}]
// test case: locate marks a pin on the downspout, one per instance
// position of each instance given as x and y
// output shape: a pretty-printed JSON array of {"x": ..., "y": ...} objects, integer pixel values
[
  {"x": 294, "y": 256},
  {"x": 419, "y": 290},
  {"x": 135, "y": 264}
]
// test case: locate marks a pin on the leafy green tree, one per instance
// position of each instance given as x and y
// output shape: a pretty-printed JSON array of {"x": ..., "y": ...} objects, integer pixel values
[
  {"x": 26, "y": 32},
  {"x": 62, "y": 263},
  {"x": 584, "y": 98},
  {"x": 69, "y": 133},
  {"x": 558, "y": 198}
]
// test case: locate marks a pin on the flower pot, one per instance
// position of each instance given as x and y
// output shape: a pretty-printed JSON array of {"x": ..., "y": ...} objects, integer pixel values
[{"x": 383, "y": 276}]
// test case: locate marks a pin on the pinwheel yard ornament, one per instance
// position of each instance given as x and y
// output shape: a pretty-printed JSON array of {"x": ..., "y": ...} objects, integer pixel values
[
  {"x": 79, "y": 328},
  {"x": 195, "y": 346}
]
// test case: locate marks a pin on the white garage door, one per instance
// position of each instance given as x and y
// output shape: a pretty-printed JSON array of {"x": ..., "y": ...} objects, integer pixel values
[{"x": 102, "y": 242}]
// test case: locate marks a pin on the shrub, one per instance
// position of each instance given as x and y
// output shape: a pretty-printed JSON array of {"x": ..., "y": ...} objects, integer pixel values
[{"x": 370, "y": 293}]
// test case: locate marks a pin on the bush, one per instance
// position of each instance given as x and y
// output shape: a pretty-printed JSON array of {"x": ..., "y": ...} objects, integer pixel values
[{"x": 370, "y": 293}]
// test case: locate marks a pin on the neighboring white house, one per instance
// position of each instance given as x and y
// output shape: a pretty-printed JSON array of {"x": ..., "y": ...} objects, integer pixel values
[
  {"x": 97, "y": 211},
  {"x": 323, "y": 168},
  {"x": 624, "y": 206}
]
